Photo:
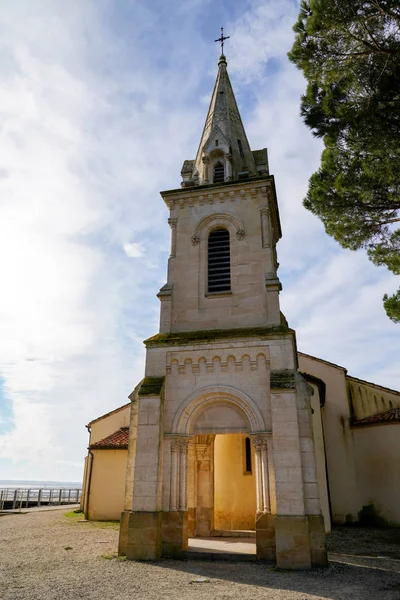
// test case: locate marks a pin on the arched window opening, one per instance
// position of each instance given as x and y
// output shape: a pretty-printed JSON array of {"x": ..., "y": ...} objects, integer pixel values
[
  {"x": 219, "y": 172},
  {"x": 219, "y": 261},
  {"x": 248, "y": 455}
]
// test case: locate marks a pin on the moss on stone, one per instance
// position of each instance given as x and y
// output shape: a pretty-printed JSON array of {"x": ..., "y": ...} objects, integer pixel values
[
  {"x": 151, "y": 386},
  {"x": 211, "y": 335},
  {"x": 283, "y": 379}
]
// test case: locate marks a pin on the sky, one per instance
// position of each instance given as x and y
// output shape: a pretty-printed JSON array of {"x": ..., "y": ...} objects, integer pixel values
[{"x": 101, "y": 102}]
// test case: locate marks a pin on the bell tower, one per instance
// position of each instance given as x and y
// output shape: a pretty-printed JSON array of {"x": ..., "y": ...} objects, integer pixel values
[
  {"x": 224, "y": 361},
  {"x": 227, "y": 187}
]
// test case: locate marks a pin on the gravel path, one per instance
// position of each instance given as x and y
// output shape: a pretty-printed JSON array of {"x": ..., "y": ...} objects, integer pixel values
[{"x": 48, "y": 556}]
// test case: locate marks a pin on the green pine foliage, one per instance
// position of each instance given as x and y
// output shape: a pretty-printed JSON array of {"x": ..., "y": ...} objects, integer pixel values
[{"x": 349, "y": 52}]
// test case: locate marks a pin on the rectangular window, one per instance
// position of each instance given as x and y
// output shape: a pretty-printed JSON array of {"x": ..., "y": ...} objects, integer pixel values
[{"x": 247, "y": 443}]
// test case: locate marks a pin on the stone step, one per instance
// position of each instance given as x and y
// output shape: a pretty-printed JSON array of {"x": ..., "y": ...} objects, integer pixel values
[
  {"x": 225, "y": 556},
  {"x": 237, "y": 533}
]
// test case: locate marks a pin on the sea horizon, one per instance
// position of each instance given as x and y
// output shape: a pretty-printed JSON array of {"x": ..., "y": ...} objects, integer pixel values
[{"x": 38, "y": 483}]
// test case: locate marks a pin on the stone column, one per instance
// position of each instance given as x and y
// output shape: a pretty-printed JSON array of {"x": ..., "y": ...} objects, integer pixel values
[
  {"x": 205, "y": 485},
  {"x": 192, "y": 488},
  {"x": 260, "y": 443},
  {"x": 264, "y": 470},
  {"x": 265, "y": 533},
  {"x": 228, "y": 170},
  {"x": 172, "y": 222},
  {"x": 259, "y": 502},
  {"x": 265, "y": 227},
  {"x": 175, "y": 451},
  {"x": 206, "y": 164},
  {"x": 179, "y": 467},
  {"x": 175, "y": 535},
  {"x": 183, "y": 476}
]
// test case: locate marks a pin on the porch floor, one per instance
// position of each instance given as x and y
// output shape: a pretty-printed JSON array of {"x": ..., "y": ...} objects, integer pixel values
[{"x": 234, "y": 548}]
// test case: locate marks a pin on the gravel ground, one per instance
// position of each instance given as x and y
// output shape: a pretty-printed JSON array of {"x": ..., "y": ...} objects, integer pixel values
[{"x": 48, "y": 556}]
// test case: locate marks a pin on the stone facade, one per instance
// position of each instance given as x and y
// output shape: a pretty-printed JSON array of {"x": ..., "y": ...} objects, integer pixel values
[
  {"x": 360, "y": 457},
  {"x": 222, "y": 363}
]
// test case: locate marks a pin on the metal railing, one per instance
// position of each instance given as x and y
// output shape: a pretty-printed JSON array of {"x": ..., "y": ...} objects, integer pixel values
[{"x": 17, "y": 499}]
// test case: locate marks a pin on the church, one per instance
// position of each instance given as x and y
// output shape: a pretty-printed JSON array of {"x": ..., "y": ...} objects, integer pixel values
[{"x": 232, "y": 429}]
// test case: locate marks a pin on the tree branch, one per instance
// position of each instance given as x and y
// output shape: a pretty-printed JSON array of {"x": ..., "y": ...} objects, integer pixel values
[{"x": 385, "y": 12}]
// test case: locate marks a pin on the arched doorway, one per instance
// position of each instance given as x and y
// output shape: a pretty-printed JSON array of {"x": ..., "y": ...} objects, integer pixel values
[{"x": 221, "y": 469}]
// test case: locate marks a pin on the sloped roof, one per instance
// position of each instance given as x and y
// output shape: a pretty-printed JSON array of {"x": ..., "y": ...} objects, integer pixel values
[
  {"x": 371, "y": 384},
  {"x": 388, "y": 416},
  {"x": 108, "y": 414},
  {"x": 116, "y": 441},
  {"x": 326, "y": 362},
  {"x": 223, "y": 116}
]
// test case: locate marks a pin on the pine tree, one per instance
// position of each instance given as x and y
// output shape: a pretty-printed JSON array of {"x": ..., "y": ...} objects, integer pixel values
[{"x": 349, "y": 52}]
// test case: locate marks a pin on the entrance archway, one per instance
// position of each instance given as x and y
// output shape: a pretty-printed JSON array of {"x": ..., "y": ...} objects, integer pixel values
[
  {"x": 233, "y": 417},
  {"x": 239, "y": 413}
]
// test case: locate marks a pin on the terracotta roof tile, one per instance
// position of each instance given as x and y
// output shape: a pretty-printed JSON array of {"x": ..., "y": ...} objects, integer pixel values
[
  {"x": 389, "y": 416},
  {"x": 116, "y": 441}
]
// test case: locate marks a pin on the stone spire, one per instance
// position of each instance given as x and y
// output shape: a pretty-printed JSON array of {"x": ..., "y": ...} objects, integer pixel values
[{"x": 224, "y": 153}]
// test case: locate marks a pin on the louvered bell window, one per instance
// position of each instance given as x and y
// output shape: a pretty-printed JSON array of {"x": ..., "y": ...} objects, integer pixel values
[
  {"x": 219, "y": 172},
  {"x": 219, "y": 261}
]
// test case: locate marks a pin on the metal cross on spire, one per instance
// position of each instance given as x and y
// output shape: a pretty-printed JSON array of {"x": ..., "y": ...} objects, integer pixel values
[{"x": 222, "y": 39}]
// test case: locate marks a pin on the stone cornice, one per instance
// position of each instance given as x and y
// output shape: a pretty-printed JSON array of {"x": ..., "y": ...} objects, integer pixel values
[
  {"x": 217, "y": 190},
  {"x": 185, "y": 338},
  {"x": 283, "y": 379},
  {"x": 199, "y": 190},
  {"x": 151, "y": 386},
  {"x": 226, "y": 192}
]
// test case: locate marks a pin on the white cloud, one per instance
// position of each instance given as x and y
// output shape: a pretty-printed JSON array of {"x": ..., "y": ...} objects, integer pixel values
[
  {"x": 134, "y": 250},
  {"x": 96, "y": 120},
  {"x": 263, "y": 33},
  {"x": 84, "y": 152}
]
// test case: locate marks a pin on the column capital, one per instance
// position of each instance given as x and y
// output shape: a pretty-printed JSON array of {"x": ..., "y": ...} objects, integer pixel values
[
  {"x": 180, "y": 444},
  {"x": 260, "y": 440},
  {"x": 172, "y": 221}
]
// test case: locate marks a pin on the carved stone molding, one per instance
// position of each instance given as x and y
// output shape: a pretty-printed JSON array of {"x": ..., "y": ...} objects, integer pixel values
[
  {"x": 195, "y": 240},
  {"x": 255, "y": 361},
  {"x": 202, "y": 452},
  {"x": 219, "y": 218},
  {"x": 214, "y": 395}
]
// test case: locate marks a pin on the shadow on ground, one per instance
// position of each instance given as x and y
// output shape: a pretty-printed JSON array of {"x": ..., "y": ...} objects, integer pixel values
[
  {"x": 336, "y": 582},
  {"x": 362, "y": 541},
  {"x": 364, "y": 564}
]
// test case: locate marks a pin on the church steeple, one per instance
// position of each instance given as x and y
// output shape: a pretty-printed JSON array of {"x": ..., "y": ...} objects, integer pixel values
[{"x": 224, "y": 152}]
